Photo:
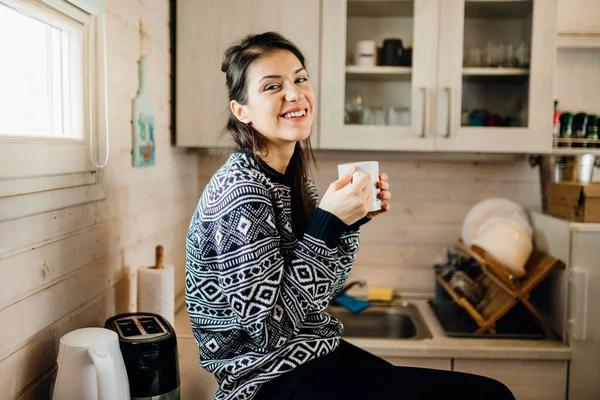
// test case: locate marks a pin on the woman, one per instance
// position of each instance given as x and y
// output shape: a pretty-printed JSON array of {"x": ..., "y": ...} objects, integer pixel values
[{"x": 265, "y": 256}]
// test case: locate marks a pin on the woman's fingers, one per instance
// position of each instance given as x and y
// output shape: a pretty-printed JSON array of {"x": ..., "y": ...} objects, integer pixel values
[
  {"x": 385, "y": 195},
  {"x": 383, "y": 185}
]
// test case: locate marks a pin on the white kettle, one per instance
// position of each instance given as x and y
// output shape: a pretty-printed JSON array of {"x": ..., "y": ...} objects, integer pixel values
[{"x": 90, "y": 367}]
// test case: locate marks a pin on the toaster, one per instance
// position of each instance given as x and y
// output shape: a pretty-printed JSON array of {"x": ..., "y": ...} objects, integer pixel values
[{"x": 149, "y": 347}]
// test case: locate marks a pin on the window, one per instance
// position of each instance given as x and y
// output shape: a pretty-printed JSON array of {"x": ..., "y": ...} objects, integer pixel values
[
  {"x": 49, "y": 95},
  {"x": 37, "y": 83}
]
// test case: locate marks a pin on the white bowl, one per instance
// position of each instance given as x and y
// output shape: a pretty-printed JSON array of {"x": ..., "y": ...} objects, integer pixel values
[
  {"x": 493, "y": 207},
  {"x": 507, "y": 242}
]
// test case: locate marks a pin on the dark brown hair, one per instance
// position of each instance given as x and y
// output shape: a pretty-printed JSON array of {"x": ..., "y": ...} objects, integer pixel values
[{"x": 236, "y": 61}]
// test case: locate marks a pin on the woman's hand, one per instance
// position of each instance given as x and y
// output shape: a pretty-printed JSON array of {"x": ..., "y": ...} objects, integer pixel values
[
  {"x": 348, "y": 202},
  {"x": 384, "y": 195}
]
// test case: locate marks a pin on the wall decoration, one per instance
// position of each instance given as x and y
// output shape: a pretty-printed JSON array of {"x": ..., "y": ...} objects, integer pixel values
[{"x": 143, "y": 114}]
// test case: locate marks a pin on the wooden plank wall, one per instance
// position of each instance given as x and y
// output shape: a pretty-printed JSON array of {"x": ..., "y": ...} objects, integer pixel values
[
  {"x": 75, "y": 267},
  {"x": 430, "y": 201}
]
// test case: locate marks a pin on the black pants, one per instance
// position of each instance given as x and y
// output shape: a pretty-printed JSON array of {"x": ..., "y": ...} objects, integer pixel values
[{"x": 350, "y": 373}]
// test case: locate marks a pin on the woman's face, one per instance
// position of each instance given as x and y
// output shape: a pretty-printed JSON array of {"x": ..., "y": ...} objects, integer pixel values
[{"x": 281, "y": 100}]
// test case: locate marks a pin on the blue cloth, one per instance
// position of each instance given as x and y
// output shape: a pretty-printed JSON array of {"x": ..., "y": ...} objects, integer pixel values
[{"x": 352, "y": 304}]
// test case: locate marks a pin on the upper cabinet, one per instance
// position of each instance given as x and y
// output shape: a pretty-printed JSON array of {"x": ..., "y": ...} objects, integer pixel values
[
  {"x": 204, "y": 30},
  {"x": 579, "y": 17},
  {"x": 445, "y": 75},
  {"x": 379, "y": 98},
  {"x": 497, "y": 75}
]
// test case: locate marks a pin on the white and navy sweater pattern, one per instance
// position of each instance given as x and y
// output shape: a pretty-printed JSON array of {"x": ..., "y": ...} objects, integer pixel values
[{"x": 255, "y": 293}]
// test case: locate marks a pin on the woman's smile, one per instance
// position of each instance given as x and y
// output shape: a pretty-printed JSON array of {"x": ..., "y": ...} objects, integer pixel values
[{"x": 296, "y": 114}]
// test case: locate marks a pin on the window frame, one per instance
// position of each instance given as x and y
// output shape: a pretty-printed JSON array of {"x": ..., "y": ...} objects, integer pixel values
[{"x": 30, "y": 165}]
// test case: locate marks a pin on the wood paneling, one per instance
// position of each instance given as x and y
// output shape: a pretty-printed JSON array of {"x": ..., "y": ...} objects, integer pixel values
[
  {"x": 39, "y": 355},
  {"x": 55, "y": 225},
  {"x": 76, "y": 266}
]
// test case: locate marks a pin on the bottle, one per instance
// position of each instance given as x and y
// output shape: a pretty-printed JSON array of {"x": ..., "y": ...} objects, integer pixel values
[
  {"x": 579, "y": 128},
  {"x": 566, "y": 129},
  {"x": 591, "y": 133},
  {"x": 555, "y": 120}
]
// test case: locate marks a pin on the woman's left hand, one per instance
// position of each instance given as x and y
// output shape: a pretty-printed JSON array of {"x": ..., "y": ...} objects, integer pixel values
[{"x": 384, "y": 195}]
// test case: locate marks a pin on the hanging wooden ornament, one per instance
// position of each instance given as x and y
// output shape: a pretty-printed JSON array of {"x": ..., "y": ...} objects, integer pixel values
[{"x": 143, "y": 114}]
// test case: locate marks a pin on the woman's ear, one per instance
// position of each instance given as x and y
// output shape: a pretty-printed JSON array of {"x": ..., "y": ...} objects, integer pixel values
[{"x": 240, "y": 112}]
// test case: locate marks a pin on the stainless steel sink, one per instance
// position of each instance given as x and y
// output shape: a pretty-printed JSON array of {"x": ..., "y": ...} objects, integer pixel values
[{"x": 400, "y": 320}]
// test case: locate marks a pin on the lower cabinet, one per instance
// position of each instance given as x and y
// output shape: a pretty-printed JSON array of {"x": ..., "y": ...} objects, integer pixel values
[
  {"x": 433, "y": 363},
  {"x": 527, "y": 379}
]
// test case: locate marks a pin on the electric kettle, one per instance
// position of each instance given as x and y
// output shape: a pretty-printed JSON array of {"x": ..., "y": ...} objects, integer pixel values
[{"x": 90, "y": 367}]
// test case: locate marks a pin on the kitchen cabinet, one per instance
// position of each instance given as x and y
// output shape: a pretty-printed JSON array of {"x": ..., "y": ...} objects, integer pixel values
[
  {"x": 346, "y": 89},
  {"x": 527, "y": 379},
  {"x": 204, "y": 30},
  {"x": 578, "y": 17},
  {"x": 475, "y": 76}
]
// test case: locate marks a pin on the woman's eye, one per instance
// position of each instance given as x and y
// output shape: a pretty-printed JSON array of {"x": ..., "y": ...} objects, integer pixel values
[
  {"x": 272, "y": 86},
  {"x": 300, "y": 80}
]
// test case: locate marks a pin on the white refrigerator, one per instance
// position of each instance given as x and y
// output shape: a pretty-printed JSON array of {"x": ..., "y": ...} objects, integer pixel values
[{"x": 571, "y": 297}]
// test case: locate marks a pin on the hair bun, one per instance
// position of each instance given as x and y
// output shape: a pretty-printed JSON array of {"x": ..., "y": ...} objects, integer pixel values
[{"x": 229, "y": 57}]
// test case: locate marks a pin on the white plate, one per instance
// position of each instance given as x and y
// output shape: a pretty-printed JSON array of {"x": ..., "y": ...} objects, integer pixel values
[{"x": 495, "y": 207}]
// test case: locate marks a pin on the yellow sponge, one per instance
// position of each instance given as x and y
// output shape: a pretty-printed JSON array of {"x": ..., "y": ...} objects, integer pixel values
[{"x": 380, "y": 294}]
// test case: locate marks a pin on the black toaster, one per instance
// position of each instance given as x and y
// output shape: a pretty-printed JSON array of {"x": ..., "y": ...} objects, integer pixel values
[{"x": 149, "y": 347}]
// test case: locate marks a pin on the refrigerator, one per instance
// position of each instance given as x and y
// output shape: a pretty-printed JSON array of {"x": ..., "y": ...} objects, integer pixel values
[{"x": 570, "y": 297}]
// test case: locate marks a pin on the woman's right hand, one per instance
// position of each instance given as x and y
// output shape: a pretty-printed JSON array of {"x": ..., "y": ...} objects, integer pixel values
[{"x": 348, "y": 202}]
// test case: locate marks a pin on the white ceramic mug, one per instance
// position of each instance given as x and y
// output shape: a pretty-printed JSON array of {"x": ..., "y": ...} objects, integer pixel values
[
  {"x": 366, "y": 167},
  {"x": 365, "y": 53}
]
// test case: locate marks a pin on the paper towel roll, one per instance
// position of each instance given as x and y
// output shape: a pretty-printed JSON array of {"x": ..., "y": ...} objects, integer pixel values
[{"x": 156, "y": 291}]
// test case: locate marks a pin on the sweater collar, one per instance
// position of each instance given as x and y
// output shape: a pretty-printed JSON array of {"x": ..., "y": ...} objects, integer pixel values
[{"x": 270, "y": 172}]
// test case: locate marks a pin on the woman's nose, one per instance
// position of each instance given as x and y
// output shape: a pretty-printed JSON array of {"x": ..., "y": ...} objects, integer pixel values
[{"x": 294, "y": 93}]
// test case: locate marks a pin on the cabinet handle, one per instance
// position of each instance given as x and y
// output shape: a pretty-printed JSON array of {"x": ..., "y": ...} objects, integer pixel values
[
  {"x": 448, "y": 90},
  {"x": 424, "y": 122}
]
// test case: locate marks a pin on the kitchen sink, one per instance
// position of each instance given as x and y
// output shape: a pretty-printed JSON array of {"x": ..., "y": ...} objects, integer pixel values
[{"x": 400, "y": 320}]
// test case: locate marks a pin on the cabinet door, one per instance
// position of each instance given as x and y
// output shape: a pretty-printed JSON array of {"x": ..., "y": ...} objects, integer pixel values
[
  {"x": 378, "y": 107},
  {"x": 496, "y": 75},
  {"x": 579, "y": 17},
  {"x": 528, "y": 380},
  {"x": 204, "y": 30}
]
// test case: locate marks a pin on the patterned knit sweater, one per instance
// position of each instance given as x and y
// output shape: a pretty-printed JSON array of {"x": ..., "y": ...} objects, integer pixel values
[{"x": 255, "y": 293}]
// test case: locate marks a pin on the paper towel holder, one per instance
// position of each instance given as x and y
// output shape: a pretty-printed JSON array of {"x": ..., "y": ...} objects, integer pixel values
[{"x": 158, "y": 262}]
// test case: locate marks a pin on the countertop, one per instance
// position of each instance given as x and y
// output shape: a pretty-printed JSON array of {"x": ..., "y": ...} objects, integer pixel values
[
  {"x": 440, "y": 346},
  {"x": 197, "y": 383}
]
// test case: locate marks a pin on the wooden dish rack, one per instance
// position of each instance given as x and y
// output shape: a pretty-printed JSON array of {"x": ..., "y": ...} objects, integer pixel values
[{"x": 502, "y": 290}]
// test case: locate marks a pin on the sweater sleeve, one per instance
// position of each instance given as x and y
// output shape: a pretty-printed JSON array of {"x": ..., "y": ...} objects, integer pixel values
[
  {"x": 270, "y": 295},
  {"x": 347, "y": 249}
]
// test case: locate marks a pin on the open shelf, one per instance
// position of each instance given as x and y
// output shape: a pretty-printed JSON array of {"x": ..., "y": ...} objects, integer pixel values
[
  {"x": 496, "y": 71},
  {"x": 569, "y": 151},
  {"x": 573, "y": 148},
  {"x": 498, "y": 9},
  {"x": 378, "y": 8},
  {"x": 377, "y": 72}
]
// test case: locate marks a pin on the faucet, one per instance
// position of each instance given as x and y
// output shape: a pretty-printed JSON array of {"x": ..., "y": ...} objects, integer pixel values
[{"x": 350, "y": 285}]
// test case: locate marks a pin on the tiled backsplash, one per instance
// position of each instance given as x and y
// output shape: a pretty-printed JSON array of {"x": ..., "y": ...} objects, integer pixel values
[{"x": 430, "y": 200}]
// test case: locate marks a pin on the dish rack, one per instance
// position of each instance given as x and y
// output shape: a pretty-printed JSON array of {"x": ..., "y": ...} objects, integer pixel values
[{"x": 502, "y": 290}]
